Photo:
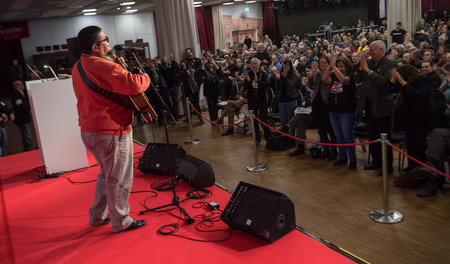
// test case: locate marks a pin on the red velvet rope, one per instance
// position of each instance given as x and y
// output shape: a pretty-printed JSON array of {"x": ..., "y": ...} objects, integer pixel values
[
  {"x": 414, "y": 159},
  {"x": 314, "y": 142},
  {"x": 234, "y": 124},
  {"x": 329, "y": 144}
]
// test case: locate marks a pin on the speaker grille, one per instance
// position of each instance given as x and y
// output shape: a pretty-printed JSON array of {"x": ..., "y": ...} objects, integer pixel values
[
  {"x": 155, "y": 159},
  {"x": 261, "y": 212}
]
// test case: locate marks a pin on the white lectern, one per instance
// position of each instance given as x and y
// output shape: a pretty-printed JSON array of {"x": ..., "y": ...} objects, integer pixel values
[{"x": 54, "y": 109}]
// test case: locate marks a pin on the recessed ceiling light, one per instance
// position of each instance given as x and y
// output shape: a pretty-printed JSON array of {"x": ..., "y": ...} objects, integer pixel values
[
  {"x": 89, "y": 10},
  {"x": 131, "y": 11},
  {"x": 228, "y": 3},
  {"x": 197, "y": 5},
  {"x": 197, "y": 2},
  {"x": 90, "y": 14},
  {"x": 250, "y": 2},
  {"x": 127, "y": 3}
]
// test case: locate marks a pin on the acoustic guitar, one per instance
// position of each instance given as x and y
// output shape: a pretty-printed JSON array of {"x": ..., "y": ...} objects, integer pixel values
[
  {"x": 143, "y": 106},
  {"x": 140, "y": 101}
]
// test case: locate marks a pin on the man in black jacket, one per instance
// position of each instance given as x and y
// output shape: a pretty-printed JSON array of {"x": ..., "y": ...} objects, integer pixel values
[
  {"x": 248, "y": 42},
  {"x": 256, "y": 83},
  {"x": 22, "y": 113},
  {"x": 169, "y": 70},
  {"x": 375, "y": 98},
  {"x": 439, "y": 99}
]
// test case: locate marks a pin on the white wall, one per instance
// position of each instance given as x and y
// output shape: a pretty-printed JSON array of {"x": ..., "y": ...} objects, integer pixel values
[
  {"x": 237, "y": 10},
  {"x": 48, "y": 32}
]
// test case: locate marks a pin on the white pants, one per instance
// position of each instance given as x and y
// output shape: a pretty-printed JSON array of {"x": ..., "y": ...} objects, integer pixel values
[{"x": 114, "y": 153}]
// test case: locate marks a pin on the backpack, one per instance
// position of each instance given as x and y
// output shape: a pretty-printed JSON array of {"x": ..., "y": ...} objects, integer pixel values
[{"x": 277, "y": 142}]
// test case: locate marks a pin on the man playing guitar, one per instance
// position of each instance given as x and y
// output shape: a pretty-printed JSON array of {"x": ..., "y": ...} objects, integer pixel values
[{"x": 106, "y": 127}]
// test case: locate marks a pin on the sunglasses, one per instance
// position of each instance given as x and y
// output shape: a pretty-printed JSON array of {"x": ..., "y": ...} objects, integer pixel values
[{"x": 100, "y": 41}]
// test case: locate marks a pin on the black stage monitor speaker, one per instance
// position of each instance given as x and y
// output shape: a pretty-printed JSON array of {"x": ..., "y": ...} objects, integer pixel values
[
  {"x": 260, "y": 212},
  {"x": 155, "y": 158},
  {"x": 74, "y": 50},
  {"x": 196, "y": 172}
]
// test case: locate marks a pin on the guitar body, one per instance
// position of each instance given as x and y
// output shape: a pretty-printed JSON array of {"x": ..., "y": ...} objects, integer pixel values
[{"x": 141, "y": 103}]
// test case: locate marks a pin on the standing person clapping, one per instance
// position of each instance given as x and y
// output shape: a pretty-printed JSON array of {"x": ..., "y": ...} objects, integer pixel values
[{"x": 342, "y": 105}]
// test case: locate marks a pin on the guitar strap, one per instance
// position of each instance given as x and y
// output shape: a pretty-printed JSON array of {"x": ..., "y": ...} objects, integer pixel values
[{"x": 116, "y": 98}]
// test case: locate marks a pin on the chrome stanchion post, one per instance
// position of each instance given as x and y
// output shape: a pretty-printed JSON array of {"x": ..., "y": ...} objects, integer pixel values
[
  {"x": 188, "y": 112},
  {"x": 257, "y": 166},
  {"x": 384, "y": 215}
]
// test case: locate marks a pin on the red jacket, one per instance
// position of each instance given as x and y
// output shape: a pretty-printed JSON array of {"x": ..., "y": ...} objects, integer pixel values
[{"x": 97, "y": 113}]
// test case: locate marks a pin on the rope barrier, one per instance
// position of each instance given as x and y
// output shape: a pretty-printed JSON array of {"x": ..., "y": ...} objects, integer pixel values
[
  {"x": 234, "y": 124},
  {"x": 328, "y": 144},
  {"x": 314, "y": 142},
  {"x": 418, "y": 161}
]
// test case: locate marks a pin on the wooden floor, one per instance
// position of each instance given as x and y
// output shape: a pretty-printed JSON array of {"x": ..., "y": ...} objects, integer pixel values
[{"x": 331, "y": 203}]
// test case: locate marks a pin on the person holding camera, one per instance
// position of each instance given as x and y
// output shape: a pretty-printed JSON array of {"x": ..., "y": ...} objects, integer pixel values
[{"x": 210, "y": 73}]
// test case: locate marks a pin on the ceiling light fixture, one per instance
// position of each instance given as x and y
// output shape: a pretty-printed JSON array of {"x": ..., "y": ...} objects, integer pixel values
[
  {"x": 127, "y": 3},
  {"x": 250, "y": 2},
  {"x": 129, "y": 11},
  {"x": 228, "y": 3},
  {"x": 197, "y": 2},
  {"x": 90, "y": 14},
  {"x": 197, "y": 5},
  {"x": 89, "y": 10}
]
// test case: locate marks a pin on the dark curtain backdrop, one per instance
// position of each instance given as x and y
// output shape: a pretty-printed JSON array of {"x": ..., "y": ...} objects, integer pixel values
[
  {"x": 209, "y": 27},
  {"x": 269, "y": 21},
  {"x": 373, "y": 11},
  {"x": 205, "y": 28},
  {"x": 438, "y": 5},
  {"x": 300, "y": 20},
  {"x": 9, "y": 50}
]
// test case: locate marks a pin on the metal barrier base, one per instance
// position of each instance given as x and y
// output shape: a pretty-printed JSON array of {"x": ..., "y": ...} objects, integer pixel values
[
  {"x": 257, "y": 167},
  {"x": 392, "y": 217},
  {"x": 192, "y": 141}
]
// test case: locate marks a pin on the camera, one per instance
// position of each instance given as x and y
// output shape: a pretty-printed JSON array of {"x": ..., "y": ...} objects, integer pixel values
[{"x": 3, "y": 123}]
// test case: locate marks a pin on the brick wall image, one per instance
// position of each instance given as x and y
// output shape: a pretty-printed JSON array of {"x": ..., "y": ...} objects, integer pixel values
[{"x": 236, "y": 28}]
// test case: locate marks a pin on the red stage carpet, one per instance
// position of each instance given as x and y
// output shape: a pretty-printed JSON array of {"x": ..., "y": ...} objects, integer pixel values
[{"x": 47, "y": 222}]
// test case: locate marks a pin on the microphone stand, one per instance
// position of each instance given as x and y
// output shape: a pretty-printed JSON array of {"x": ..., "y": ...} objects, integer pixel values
[
  {"x": 51, "y": 69},
  {"x": 175, "y": 199},
  {"x": 37, "y": 75}
]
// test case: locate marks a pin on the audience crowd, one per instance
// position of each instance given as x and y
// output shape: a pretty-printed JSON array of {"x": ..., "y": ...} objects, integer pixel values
[{"x": 333, "y": 85}]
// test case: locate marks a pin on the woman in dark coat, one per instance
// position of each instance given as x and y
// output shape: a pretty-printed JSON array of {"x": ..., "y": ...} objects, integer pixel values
[
  {"x": 210, "y": 72},
  {"x": 320, "y": 110},
  {"x": 417, "y": 109},
  {"x": 287, "y": 83}
]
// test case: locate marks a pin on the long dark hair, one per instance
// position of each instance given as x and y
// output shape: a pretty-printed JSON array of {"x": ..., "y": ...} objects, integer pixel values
[
  {"x": 292, "y": 71},
  {"x": 409, "y": 73},
  {"x": 347, "y": 64}
]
